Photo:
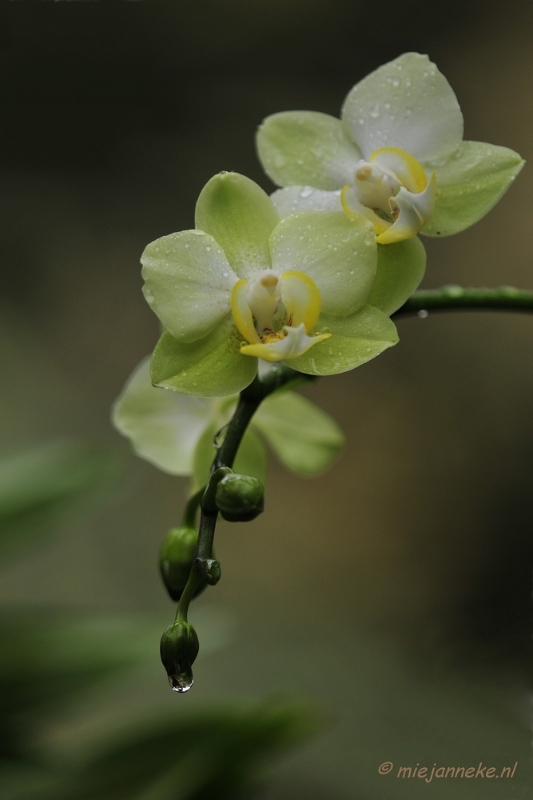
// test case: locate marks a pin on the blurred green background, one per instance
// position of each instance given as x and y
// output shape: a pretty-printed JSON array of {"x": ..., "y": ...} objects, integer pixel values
[{"x": 394, "y": 592}]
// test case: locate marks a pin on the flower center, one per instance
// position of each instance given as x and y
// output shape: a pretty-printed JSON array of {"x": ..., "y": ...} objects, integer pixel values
[
  {"x": 276, "y": 313},
  {"x": 392, "y": 190}
]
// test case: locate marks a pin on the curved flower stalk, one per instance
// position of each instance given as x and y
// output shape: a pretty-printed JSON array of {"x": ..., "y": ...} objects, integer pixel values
[
  {"x": 175, "y": 432},
  {"x": 246, "y": 285},
  {"x": 396, "y": 156}
]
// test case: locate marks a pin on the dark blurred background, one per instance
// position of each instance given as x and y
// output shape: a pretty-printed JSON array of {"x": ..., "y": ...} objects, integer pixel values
[{"x": 395, "y": 590}]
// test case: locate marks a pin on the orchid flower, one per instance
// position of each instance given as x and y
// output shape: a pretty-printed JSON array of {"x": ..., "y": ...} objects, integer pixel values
[
  {"x": 175, "y": 432},
  {"x": 396, "y": 157},
  {"x": 245, "y": 285}
]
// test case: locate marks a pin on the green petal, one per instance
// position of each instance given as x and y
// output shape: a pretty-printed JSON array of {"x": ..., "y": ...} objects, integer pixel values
[
  {"x": 305, "y": 198},
  {"x": 211, "y": 367},
  {"x": 251, "y": 458},
  {"x": 401, "y": 267},
  {"x": 354, "y": 341},
  {"x": 241, "y": 217},
  {"x": 408, "y": 104},
  {"x": 469, "y": 184},
  {"x": 304, "y": 438},
  {"x": 339, "y": 254},
  {"x": 162, "y": 426},
  {"x": 306, "y": 148},
  {"x": 188, "y": 283}
]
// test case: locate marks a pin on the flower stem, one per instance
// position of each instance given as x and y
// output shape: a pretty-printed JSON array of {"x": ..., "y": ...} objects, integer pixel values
[
  {"x": 452, "y": 298},
  {"x": 249, "y": 401}
]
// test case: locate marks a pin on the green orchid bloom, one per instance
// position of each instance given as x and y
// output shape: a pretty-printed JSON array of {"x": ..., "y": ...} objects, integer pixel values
[
  {"x": 176, "y": 432},
  {"x": 246, "y": 285},
  {"x": 396, "y": 156}
]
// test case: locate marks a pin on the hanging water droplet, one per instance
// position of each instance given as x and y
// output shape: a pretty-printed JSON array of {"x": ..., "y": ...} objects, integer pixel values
[
  {"x": 219, "y": 436},
  {"x": 181, "y": 681},
  {"x": 423, "y": 313}
]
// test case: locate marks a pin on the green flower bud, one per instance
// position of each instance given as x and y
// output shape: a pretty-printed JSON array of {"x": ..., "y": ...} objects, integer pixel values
[
  {"x": 240, "y": 498},
  {"x": 175, "y": 560},
  {"x": 179, "y": 648}
]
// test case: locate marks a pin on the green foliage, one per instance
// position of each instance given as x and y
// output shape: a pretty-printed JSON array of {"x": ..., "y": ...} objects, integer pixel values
[
  {"x": 49, "y": 659},
  {"x": 213, "y": 755},
  {"x": 38, "y": 487}
]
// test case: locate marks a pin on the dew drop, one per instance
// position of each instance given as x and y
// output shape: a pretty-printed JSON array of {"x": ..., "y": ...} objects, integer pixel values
[
  {"x": 423, "y": 313},
  {"x": 307, "y": 191},
  {"x": 375, "y": 112},
  {"x": 181, "y": 682}
]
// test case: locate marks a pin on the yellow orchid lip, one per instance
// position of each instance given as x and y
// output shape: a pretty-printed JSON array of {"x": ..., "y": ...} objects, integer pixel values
[
  {"x": 393, "y": 192},
  {"x": 407, "y": 169},
  {"x": 275, "y": 314}
]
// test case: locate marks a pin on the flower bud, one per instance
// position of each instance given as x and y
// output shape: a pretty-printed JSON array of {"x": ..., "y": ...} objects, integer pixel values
[
  {"x": 179, "y": 648},
  {"x": 175, "y": 559},
  {"x": 240, "y": 498}
]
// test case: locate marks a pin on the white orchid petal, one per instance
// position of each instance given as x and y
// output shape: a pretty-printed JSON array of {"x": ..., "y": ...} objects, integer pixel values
[
  {"x": 407, "y": 104},
  {"x": 339, "y": 254},
  {"x": 188, "y": 283},
  {"x": 304, "y": 198},
  {"x": 162, "y": 426},
  {"x": 299, "y": 147}
]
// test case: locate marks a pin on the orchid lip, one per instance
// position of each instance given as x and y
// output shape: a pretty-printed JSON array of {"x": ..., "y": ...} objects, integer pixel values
[
  {"x": 276, "y": 313},
  {"x": 392, "y": 190}
]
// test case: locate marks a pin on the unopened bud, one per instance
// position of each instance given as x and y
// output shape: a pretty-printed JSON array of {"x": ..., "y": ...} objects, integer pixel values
[
  {"x": 175, "y": 559},
  {"x": 179, "y": 648},
  {"x": 240, "y": 498}
]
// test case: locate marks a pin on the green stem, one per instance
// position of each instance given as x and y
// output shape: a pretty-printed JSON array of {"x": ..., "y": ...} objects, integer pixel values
[
  {"x": 450, "y": 298},
  {"x": 249, "y": 401},
  {"x": 192, "y": 585}
]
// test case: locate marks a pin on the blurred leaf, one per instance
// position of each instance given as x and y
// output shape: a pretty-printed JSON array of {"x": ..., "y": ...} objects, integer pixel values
[
  {"x": 38, "y": 486},
  {"x": 48, "y": 659},
  {"x": 305, "y": 439},
  {"x": 212, "y": 755}
]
